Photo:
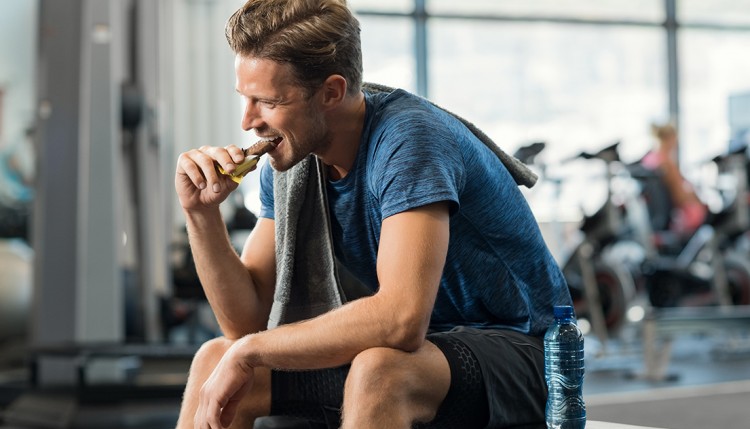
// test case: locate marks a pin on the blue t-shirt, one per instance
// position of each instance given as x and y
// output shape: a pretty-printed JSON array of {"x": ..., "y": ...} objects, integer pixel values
[{"x": 499, "y": 272}]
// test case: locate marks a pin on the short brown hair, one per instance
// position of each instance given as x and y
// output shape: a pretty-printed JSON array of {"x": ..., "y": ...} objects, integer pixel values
[{"x": 318, "y": 38}]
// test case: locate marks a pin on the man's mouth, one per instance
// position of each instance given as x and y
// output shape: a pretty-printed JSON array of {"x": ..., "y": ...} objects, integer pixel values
[
  {"x": 274, "y": 141},
  {"x": 263, "y": 146}
]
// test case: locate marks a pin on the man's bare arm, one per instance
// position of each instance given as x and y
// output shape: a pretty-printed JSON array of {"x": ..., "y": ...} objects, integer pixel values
[
  {"x": 412, "y": 253},
  {"x": 239, "y": 290}
]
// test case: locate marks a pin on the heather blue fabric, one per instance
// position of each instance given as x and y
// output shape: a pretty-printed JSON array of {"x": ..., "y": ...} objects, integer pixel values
[{"x": 499, "y": 272}]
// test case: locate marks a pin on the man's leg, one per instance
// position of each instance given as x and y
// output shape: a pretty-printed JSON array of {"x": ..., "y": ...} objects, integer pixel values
[
  {"x": 388, "y": 388},
  {"x": 468, "y": 378},
  {"x": 258, "y": 403}
]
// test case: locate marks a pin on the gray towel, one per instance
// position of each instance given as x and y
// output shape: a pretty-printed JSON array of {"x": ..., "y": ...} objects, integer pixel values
[
  {"x": 309, "y": 281},
  {"x": 306, "y": 283}
]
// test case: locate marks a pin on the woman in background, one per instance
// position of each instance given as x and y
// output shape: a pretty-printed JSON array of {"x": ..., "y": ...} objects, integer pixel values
[{"x": 689, "y": 211}]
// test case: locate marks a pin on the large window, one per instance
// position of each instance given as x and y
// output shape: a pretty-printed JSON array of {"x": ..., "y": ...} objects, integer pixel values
[
  {"x": 714, "y": 66},
  {"x": 573, "y": 86},
  {"x": 387, "y": 43},
  {"x": 558, "y": 9},
  {"x": 721, "y": 13}
]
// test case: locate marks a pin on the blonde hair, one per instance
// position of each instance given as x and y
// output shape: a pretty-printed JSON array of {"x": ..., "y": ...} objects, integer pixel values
[{"x": 663, "y": 131}]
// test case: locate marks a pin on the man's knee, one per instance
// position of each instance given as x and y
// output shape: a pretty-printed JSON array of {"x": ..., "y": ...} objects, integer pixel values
[
  {"x": 378, "y": 370},
  {"x": 209, "y": 354},
  {"x": 408, "y": 387}
]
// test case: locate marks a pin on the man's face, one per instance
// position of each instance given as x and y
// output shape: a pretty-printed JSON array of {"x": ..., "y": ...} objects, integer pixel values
[{"x": 278, "y": 109}]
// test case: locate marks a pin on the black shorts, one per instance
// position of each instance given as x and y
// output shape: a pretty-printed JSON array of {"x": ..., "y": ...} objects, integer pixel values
[
  {"x": 511, "y": 378},
  {"x": 497, "y": 381}
]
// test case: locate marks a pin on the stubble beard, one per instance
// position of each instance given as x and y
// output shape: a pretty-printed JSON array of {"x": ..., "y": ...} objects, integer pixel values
[{"x": 315, "y": 140}]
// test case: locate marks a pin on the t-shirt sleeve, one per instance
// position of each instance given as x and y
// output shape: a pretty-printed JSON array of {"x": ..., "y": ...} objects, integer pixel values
[
  {"x": 416, "y": 161},
  {"x": 266, "y": 191}
]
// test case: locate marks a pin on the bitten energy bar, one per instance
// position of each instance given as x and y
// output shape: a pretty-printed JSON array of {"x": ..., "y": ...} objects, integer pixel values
[{"x": 252, "y": 156}]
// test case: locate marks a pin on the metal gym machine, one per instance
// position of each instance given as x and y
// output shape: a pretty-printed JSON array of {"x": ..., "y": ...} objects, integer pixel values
[{"x": 100, "y": 223}]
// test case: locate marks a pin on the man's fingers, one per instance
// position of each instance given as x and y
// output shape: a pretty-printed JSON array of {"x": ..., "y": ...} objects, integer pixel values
[
  {"x": 220, "y": 396},
  {"x": 228, "y": 412},
  {"x": 206, "y": 165},
  {"x": 208, "y": 414},
  {"x": 220, "y": 156},
  {"x": 237, "y": 154},
  {"x": 213, "y": 415},
  {"x": 187, "y": 166}
]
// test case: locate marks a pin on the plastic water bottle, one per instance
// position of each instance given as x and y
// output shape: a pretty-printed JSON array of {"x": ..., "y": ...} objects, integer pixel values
[{"x": 563, "y": 371}]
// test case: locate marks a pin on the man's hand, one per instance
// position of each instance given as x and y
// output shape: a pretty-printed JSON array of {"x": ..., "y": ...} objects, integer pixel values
[
  {"x": 197, "y": 182},
  {"x": 222, "y": 393}
]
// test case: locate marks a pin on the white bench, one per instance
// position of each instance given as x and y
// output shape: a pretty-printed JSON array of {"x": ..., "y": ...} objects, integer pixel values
[{"x": 605, "y": 425}]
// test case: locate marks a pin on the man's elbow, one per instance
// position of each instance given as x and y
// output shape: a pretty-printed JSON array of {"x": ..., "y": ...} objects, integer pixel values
[
  {"x": 408, "y": 333},
  {"x": 235, "y": 331},
  {"x": 233, "y": 334}
]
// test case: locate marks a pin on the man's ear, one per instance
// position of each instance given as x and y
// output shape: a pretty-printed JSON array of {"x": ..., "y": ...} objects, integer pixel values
[{"x": 334, "y": 90}]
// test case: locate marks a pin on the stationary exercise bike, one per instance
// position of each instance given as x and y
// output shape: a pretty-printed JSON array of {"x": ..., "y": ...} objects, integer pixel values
[{"x": 708, "y": 267}]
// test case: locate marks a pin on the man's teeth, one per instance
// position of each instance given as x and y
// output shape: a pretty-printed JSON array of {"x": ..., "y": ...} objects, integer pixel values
[{"x": 274, "y": 140}]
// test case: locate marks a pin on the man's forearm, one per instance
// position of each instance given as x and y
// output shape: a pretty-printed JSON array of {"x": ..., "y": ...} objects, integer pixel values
[
  {"x": 334, "y": 338},
  {"x": 225, "y": 280}
]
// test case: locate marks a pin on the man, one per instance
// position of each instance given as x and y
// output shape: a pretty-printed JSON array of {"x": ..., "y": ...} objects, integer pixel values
[{"x": 421, "y": 212}]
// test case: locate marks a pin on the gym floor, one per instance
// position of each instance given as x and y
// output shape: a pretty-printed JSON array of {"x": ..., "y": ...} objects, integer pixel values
[{"x": 706, "y": 385}]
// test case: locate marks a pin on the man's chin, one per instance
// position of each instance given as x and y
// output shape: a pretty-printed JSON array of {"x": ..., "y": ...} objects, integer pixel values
[{"x": 283, "y": 165}]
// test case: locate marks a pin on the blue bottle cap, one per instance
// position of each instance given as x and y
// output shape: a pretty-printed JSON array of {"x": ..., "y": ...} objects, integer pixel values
[{"x": 563, "y": 311}]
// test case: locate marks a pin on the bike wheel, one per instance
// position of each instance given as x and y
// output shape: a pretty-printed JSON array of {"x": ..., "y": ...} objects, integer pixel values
[{"x": 615, "y": 285}]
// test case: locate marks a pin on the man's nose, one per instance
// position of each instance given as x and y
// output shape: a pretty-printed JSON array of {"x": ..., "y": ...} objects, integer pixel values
[{"x": 251, "y": 118}]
